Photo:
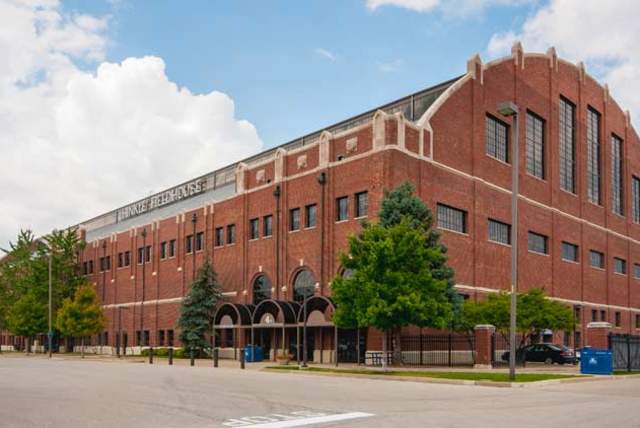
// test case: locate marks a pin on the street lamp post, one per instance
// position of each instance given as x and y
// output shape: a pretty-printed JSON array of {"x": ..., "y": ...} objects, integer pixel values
[
  {"x": 50, "y": 332},
  {"x": 510, "y": 109},
  {"x": 120, "y": 308},
  {"x": 144, "y": 260},
  {"x": 194, "y": 220}
]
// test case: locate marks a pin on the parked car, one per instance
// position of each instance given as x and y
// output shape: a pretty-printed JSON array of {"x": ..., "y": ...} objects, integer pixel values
[{"x": 547, "y": 353}]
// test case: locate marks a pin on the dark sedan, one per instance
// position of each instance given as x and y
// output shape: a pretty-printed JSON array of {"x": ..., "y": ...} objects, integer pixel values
[{"x": 547, "y": 353}]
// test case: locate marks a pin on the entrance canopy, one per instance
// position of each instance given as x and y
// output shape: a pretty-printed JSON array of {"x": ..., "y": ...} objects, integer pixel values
[{"x": 233, "y": 315}]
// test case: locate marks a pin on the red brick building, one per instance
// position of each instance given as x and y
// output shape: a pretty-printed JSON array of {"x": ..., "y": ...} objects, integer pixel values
[{"x": 276, "y": 223}]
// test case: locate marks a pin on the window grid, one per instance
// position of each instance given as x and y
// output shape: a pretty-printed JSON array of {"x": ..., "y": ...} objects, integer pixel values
[
  {"x": 538, "y": 243},
  {"x": 294, "y": 219},
  {"x": 596, "y": 259},
  {"x": 268, "y": 225},
  {"x": 310, "y": 215},
  {"x": 635, "y": 199},
  {"x": 616, "y": 175},
  {"x": 636, "y": 270},
  {"x": 342, "y": 208},
  {"x": 362, "y": 204},
  {"x": 172, "y": 249},
  {"x": 496, "y": 139},
  {"x": 619, "y": 265},
  {"x": 593, "y": 156},
  {"x": 254, "y": 232},
  {"x": 199, "y": 241},
  {"x": 569, "y": 252},
  {"x": 535, "y": 145},
  {"x": 567, "y": 146},
  {"x": 231, "y": 234},
  {"x": 452, "y": 218},
  {"x": 499, "y": 232},
  {"x": 219, "y": 236}
]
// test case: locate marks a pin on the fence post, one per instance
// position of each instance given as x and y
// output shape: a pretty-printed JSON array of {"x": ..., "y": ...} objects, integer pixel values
[
  {"x": 628, "y": 352},
  {"x": 242, "y": 358},
  {"x": 215, "y": 357},
  {"x": 485, "y": 345},
  {"x": 449, "y": 350},
  {"x": 151, "y": 355},
  {"x": 193, "y": 362},
  {"x": 170, "y": 356},
  {"x": 421, "y": 349}
]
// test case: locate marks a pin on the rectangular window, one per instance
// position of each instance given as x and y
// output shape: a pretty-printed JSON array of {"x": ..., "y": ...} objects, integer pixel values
[
  {"x": 577, "y": 314},
  {"x": 231, "y": 234},
  {"x": 310, "y": 215},
  {"x": 569, "y": 252},
  {"x": 127, "y": 258},
  {"x": 120, "y": 260},
  {"x": 496, "y": 140},
  {"x": 596, "y": 259},
  {"x": 294, "y": 219},
  {"x": 603, "y": 315},
  {"x": 146, "y": 338},
  {"x": 254, "y": 228},
  {"x": 160, "y": 337},
  {"x": 362, "y": 204},
  {"x": 172, "y": 248},
  {"x": 594, "y": 315},
  {"x": 163, "y": 250},
  {"x": 635, "y": 199},
  {"x": 138, "y": 338},
  {"x": 101, "y": 264},
  {"x": 342, "y": 208},
  {"x": 637, "y": 320},
  {"x": 636, "y": 270},
  {"x": 219, "y": 236},
  {"x": 169, "y": 337},
  {"x": 199, "y": 241},
  {"x": 85, "y": 268},
  {"x": 147, "y": 254},
  {"x": 140, "y": 255},
  {"x": 619, "y": 265},
  {"x": 567, "y": 146},
  {"x": 593, "y": 156},
  {"x": 450, "y": 218},
  {"x": 538, "y": 243},
  {"x": 617, "y": 204},
  {"x": 535, "y": 145},
  {"x": 108, "y": 263},
  {"x": 189, "y": 244},
  {"x": 499, "y": 232},
  {"x": 618, "y": 319},
  {"x": 268, "y": 225}
]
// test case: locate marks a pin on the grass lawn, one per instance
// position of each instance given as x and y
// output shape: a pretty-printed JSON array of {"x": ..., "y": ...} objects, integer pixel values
[
  {"x": 624, "y": 372},
  {"x": 481, "y": 376}
]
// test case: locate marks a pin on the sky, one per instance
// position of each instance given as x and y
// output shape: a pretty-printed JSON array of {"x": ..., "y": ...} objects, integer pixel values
[{"x": 103, "y": 102}]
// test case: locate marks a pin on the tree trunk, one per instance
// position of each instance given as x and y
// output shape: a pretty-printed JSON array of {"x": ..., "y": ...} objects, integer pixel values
[
  {"x": 28, "y": 347},
  {"x": 397, "y": 347},
  {"x": 384, "y": 350},
  {"x": 82, "y": 347}
]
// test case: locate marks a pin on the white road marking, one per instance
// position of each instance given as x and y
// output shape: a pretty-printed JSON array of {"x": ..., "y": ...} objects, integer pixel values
[{"x": 295, "y": 419}]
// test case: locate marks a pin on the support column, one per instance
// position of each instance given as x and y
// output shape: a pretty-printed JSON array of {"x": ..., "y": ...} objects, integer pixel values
[
  {"x": 484, "y": 337},
  {"x": 598, "y": 335}
]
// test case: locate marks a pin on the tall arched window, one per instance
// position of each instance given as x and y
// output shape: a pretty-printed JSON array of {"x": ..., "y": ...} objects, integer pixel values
[
  {"x": 261, "y": 289},
  {"x": 347, "y": 273},
  {"x": 303, "y": 285}
]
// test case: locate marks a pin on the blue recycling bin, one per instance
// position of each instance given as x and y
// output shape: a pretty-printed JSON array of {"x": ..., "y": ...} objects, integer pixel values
[
  {"x": 596, "y": 361},
  {"x": 253, "y": 357}
]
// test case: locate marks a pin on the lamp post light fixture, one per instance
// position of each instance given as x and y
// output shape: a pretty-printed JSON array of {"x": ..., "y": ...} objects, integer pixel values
[
  {"x": 120, "y": 341},
  {"x": 510, "y": 109}
]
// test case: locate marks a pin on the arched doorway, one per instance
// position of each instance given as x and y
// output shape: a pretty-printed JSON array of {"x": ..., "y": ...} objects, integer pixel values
[{"x": 261, "y": 289}]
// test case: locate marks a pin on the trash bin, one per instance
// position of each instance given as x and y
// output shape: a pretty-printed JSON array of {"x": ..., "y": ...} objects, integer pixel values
[
  {"x": 596, "y": 361},
  {"x": 253, "y": 357}
]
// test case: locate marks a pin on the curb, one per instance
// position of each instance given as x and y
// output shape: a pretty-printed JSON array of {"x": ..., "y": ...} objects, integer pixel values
[{"x": 434, "y": 380}]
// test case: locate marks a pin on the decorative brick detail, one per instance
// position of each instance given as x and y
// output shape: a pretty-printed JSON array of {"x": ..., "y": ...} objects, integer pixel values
[
  {"x": 261, "y": 176},
  {"x": 598, "y": 335},
  {"x": 301, "y": 162},
  {"x": 352, "y": 145}
]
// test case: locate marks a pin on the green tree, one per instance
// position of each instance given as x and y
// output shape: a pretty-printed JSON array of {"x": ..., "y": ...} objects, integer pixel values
[
  {"x": 402, "y": 202},
  {"x": 392, "y": 283},
  {"x": 534, "y": 314},
  {"x": 27, "y": 317},
  {"x": 82, "y": 316},
  {"x": 197, "y": 309}
]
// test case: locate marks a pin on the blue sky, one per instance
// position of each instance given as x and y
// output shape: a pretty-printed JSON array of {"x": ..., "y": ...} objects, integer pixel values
[{"x": 267, "y": 54}]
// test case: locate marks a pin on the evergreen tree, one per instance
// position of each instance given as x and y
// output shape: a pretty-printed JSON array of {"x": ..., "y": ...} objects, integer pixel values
[
  {"x": 392, "y": 283},
  {"x": 81, "y": 316},
  {"x": 400, "y": 203},
  {"x": 197, "y": 310}
]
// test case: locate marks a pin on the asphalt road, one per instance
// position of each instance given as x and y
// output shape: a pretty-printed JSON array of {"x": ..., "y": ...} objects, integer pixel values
[{"x": 35, "y": 392}]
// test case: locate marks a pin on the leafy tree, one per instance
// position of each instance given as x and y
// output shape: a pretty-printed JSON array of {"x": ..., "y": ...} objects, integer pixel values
[
  {"x": 81, "y": 316},
  {"x": 534, "y": 314},
  {"x": 197, "y": 310},
  {"x": 27, "y": 317},
  {"x": 392, "y": 283},
  {"x": 402, "y": 202}
]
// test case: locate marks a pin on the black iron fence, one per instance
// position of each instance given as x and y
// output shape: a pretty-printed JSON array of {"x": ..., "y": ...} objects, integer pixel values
[
  {"x": 500, "y": 350},
  {"x": 625, "y": 350},
  {"x": 452, "y": 349}
]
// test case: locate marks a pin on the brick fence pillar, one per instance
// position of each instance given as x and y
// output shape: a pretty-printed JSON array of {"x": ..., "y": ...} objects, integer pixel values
[
  {"x": 484, "y": 336},
  {"x": 598, "y": 335}
]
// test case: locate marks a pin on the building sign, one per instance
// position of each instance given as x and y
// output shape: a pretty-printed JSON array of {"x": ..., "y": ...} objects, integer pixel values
[
  {"x": 267, "y": 319},
  {"x": 175, "y": 194}
]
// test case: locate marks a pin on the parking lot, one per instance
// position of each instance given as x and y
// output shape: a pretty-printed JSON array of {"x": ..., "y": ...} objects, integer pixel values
[{"x": 37, "y": 392}]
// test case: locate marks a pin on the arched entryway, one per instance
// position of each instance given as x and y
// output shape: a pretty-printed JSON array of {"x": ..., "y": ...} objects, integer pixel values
[
  {"x": 230, "y": 322},
  {"x": 271, "y": 319}
]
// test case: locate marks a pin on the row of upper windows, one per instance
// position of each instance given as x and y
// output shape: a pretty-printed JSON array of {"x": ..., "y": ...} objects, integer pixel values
[
  {"x": 455, "y": 219},
  {"x": 497, "y": 146}
]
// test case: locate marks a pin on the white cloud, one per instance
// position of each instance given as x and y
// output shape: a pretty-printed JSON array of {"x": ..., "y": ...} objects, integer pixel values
[
  {"x": 326, "y": 54},
  {"x": 605, "y": 37},
  {"x": 459, "y": 8},
  {"x": 391, "y": 66},
  {"x": 77, "y": 143}
]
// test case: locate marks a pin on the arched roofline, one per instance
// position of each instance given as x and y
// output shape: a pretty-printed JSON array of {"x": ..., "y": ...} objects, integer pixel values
[
  {"x": 328, "y": 302},
  {"x": 289, "y": 310},
  {"x": 243, "y": 312}
]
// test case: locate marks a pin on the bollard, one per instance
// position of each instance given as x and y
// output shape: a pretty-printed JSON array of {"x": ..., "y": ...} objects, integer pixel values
[
  {"x": 192, "y": 359},
  {"x": 170, "y": 356},
  {"x": 151, "y": 355},
  {"x": 215, "y": 357},
  {"x": 242, "y": 358}
]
